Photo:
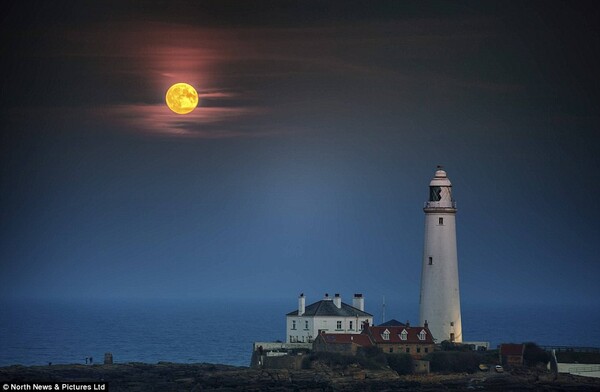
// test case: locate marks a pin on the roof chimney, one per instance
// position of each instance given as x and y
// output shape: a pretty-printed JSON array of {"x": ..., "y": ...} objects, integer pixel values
[
  {"x": 407, "y": 324},
  {"x": 301, "y": 304},
  {"x": 358, "y": 302},
  {"x": 327, "y": 297},
  {"x": 337, "y": 301},
  {"x": 426, "y": 325}
]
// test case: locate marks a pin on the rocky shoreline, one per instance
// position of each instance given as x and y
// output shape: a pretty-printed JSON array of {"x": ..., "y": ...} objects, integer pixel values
[{"x": 166, "y": 377}]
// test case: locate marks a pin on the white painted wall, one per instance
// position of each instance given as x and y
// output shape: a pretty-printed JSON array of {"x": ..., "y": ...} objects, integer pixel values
[
  {"x": 580, "y": 369},
  {"x": 440, "y": 297},
  {"x": 329, "y": 324}
]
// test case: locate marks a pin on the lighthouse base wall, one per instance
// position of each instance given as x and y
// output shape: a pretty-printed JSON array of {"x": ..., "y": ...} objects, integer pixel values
[{"x": 440, "y": 297}]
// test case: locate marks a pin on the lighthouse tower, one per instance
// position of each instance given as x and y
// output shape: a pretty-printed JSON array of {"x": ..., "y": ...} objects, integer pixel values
[{"x": 440, "y": 300}]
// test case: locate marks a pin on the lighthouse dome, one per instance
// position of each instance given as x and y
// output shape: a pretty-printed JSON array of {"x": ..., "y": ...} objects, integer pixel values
[{"x": 440, "y": 178}]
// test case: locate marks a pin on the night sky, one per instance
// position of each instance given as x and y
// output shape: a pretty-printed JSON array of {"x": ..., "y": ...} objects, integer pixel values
[{"x": 306, "y": 164}]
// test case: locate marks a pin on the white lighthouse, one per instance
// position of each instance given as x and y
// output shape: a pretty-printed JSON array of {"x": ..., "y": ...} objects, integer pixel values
[{"x": 440, "y": 300}]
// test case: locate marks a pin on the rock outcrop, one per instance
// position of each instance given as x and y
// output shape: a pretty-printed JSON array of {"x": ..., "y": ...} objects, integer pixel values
[{"x": 166, "y": 377}]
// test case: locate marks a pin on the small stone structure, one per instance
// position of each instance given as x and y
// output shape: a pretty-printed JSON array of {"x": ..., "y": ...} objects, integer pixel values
[
  {"x": 340, "y": 343},
  {"x": 511, "y": 354},
  {"x": 277, "y": 355},
  {"x": 421, "y": 366},
  {"x": 108, "y": 359}
]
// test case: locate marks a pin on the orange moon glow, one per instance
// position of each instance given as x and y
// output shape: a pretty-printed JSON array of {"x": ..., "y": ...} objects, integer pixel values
[{"x": 181, "y": 98}]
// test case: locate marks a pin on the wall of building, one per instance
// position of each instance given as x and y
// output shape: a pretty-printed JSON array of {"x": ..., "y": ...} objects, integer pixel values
[
  {"x": 417, "y": 351},
  {"x": 421, "y": 367},
  {"x": 279, "y": 346},
  {"x": 440, "y": 298},
  {"x": 478, "y": 346},
  {"x": 292, "y": 362},
  {"x": 299, "y": 334},
  {"x": 320, "y": 345},
  {"x": 512, "y": 360},
  {"x": 580, "y": 369},
  {"x": 327, "y": 323},
  {"x": 344, "y": 348}
]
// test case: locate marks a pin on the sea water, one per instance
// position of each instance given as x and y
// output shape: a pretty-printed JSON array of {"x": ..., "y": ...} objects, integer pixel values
[{"x": 222, "y": 331}]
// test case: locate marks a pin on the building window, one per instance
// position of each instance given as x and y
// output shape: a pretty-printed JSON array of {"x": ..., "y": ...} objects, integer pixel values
[
  {"x": 452, "y": 336},
  {"x": 391, "y": 349},
  {"x": 430, "y": 260},
  {"x": 339, "y": 325},
  {"x": 418, "y": 349},
  {"x": 306, "y": 324},
  {"x": 303, "y": 339},
  {"x": 435, "y": 193},
  {"x": 293, "y": 324},
  {"x": 386, "y": 335},
  {"x": 408, "y": 350},
  {"x": 426, "y": 349},
  {"x": 441, "y": 221},
  {"x": 351, "y": 325},
  {"x": 422, "y": 335},
  {"x": 403, "y": 334}
]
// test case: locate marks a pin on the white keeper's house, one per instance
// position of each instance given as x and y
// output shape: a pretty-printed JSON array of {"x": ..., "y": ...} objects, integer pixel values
[{"x": 328, "y": 315}]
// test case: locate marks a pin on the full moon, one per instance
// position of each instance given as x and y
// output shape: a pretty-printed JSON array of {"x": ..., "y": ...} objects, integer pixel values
[{"x": 181, "y": 98}]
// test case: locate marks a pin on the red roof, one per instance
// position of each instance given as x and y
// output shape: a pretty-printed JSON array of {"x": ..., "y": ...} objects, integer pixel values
[
  {"x": 346, "y": 338},
  {"x": 389, "y": 334},
  {"x": 511, "y": 349}
]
